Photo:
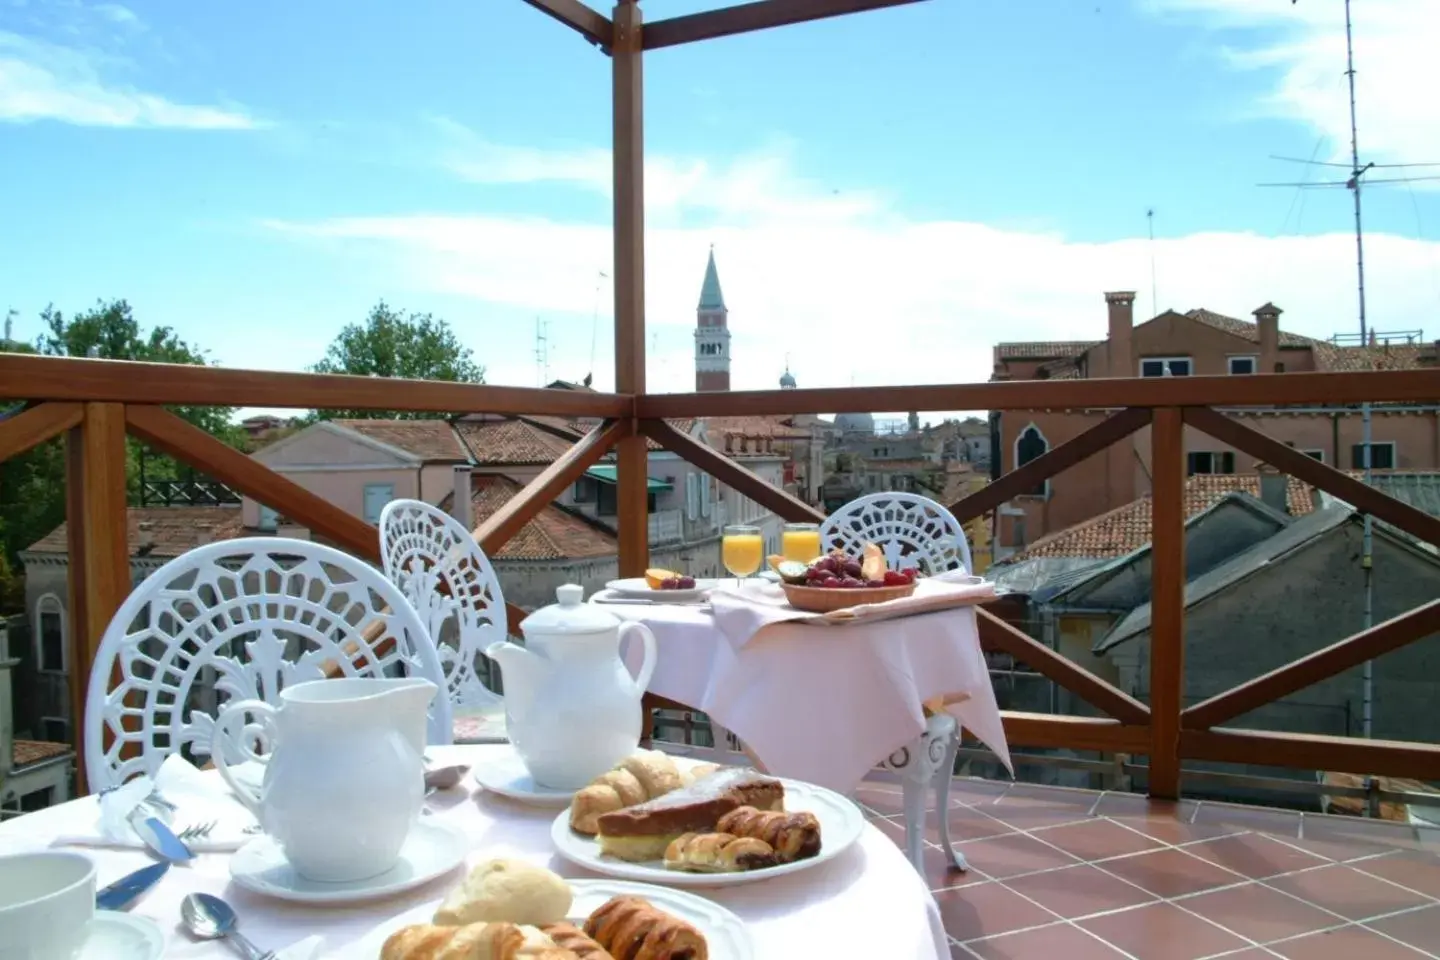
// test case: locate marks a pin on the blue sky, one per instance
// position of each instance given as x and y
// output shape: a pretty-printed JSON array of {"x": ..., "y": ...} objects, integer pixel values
[{"x": 953, "y": 173}]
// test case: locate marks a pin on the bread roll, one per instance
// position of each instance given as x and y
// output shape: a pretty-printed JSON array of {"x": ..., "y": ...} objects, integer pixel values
[
  {"x": 508, "y": 891},
  {"x": 476, "y": 941}
]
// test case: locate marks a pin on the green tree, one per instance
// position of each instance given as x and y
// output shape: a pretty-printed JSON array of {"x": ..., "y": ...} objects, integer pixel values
[{"x": 415, "y": 346}]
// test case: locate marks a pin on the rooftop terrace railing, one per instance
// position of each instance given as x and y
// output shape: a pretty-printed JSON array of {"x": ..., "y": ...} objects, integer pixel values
[{"x": 93, "y": 404}]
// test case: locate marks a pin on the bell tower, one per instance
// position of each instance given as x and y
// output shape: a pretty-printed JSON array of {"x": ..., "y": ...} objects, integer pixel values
[{"x": 712, "y": 336}]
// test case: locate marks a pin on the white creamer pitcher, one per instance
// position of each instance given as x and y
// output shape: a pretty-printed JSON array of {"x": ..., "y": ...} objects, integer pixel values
[
  {"x": 344, "y": 770},
  {"x": 572, "y": 709}
]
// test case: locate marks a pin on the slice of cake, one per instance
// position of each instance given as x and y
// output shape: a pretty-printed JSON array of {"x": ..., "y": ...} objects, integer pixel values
[{"x": 642, "y": 832}]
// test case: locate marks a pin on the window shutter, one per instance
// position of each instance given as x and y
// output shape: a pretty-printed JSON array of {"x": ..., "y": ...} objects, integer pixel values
[
  {"x": 690, "y": 496},
  {"x": 705, "y": 494}
]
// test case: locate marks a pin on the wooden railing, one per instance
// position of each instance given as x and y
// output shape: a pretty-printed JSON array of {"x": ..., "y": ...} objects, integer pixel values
[{"x": 95, "y": 403}]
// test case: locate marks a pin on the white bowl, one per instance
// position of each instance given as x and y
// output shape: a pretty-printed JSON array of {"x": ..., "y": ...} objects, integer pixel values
[{"x": 47, "y": 901}]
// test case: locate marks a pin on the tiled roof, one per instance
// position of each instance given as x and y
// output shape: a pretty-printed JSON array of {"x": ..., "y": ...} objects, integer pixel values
[
  {"x": 1245, "y": 329},
  {"x": 1043, "y": 349},
  {"x": 1127, "y": 528},
  {"x": 515, "y": 442},
  {"x": 427, "y": 439},
  {"x": 1397, "y": 356},
  {"x": 163, "y": 531},
  {"x": 26, "y": 752},
  {"x": 553, "y": 534}
]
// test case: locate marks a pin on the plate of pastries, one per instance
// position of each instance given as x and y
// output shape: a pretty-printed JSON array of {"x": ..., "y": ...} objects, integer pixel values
[
  {"x": 515, "y": 910},
  {"x": 671, "y": 820}
]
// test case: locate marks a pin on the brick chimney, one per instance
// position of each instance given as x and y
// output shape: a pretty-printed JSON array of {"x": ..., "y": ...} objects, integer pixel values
[
  {"x": 1274, "y": 487},
  {"x": 1267, "y": 321},
  {"x": 460, "y": 505},
  {"x": 1121, "y": 307}
]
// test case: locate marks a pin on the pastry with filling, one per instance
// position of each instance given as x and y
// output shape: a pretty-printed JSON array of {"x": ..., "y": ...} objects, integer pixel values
[
  {"x": 643, "y": 832},
  {"x": 793, "y": 836},
  {"x": 577, "y": 941},
  {"x": 718, "y": 853},
  {"x": 644, "y": 775},
  {"x": 509, "y": 891},
  {"x": 475, "y": 941},
  {"x": 632, "y": 929}
]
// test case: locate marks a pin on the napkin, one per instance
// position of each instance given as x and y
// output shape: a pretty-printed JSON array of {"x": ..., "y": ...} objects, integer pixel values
[
  {"x": 307, "y": 949},
  {"x": 198, "y": 798}
]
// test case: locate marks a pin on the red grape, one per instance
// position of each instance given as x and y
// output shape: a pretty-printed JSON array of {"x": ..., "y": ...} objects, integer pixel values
[
  {"x": 851, "y": 569},
  {"x": 850, "y": 583},
  {"x": 831, "y": 582},
  {"x": 686, "y": 583},
  {"x": 878, "y": 583}
]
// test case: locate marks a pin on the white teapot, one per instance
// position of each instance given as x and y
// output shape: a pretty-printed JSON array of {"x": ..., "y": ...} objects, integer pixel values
[{"x": 572, "y": 709}]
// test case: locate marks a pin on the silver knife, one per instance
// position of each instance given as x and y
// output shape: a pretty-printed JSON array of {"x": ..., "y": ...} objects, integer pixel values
[
  {"x": 161, "y": 839},
  {"x": 123, "y": 892}
]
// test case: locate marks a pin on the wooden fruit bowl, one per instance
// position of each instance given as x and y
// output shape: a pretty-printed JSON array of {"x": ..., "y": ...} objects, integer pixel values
[{"x": 828, "y": 599}]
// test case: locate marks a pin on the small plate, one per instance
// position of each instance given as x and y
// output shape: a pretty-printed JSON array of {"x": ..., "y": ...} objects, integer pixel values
[
  {"x": 841, "y": 824},
  {"x": 637, "y": 589},
  {"x": 122, "y": 936},
  {"x": 433, "y": 848},
  {"x": 506, "y": 775},
  {"x": 725, "y": 933}
]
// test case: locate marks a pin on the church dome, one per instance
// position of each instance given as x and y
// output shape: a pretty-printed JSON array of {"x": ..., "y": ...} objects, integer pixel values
[
  {"x": 787, "y": 380},
  {"x": 856, "y": 423}
]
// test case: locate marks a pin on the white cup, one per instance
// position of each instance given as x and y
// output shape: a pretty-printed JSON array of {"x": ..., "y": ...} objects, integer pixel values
[{"x": 47, "y": 901}]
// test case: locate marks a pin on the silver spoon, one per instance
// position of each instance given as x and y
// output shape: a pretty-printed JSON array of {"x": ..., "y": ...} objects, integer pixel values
[{"x": 210, "y": 918}]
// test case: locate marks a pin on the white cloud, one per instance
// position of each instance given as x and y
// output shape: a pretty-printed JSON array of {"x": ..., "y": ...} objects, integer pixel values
[
  {"x": 1397, "y": 72},
  {"x": 850, "y": 289},
  {"x": 46, "y": 81}
]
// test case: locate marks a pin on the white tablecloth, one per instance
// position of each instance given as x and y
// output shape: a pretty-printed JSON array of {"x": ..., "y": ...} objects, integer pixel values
[
  {"x": 868, "y": 902},
  {"x": 823, "y": 704}
]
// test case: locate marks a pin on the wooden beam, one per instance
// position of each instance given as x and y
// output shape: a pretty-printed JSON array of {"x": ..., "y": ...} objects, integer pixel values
[
  {"x": 590, "y": 24},
  {"x": 749, "y": 17},
  {"x": 627, "y": 117},
  {"x": 539, "y": 493},
  {"x": 996, "y": 634},
  {"x": 1311, "y": 669},
  {"x": 727, "y": 471},
  {"x": 1167, "y": 601},
  {"x": 1398, "y": 386},
  {"x": 1359, "y": 494},
  {"x": 34, "y": 426},
  {"x": 1309, "y": 751},
  {"x": 185, "y": 442},
  {"x": 96, "y": 530},
  {"x": 123, "y": 381},
  {"x": 1026, "y": 478},
  {"x": 1063, "y": 732}
]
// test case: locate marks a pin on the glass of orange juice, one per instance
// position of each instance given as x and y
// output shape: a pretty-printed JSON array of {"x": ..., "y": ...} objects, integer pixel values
[
  {"x": 800, "y": 542},
  {"x": 742, "y": 550}
]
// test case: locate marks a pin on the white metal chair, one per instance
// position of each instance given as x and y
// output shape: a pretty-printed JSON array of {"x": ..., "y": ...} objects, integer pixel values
[
  {"x": 236, "y": 620},
  {"x": 445, "y": 575},
  {"x": 913, "y": 531}
]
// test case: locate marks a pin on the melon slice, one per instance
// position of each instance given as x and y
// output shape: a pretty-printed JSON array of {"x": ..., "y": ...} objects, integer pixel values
[{"x": 872, "y": 563}]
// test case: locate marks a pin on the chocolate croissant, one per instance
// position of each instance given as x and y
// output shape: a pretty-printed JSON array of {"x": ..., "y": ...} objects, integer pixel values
[
  {"x": 572, "y": 938},
  {"x": 475, "y": 941},
  {"x": 629, "y": 927},
  {"x": 718, "y": 853},
  {"x": 794, "y": 836}
]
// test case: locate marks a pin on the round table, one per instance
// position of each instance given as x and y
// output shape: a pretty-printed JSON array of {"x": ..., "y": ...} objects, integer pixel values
[{"x": 867, "y": 902}]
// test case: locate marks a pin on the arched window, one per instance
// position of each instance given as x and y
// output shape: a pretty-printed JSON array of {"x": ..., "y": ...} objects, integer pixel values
[
  {"x": 50, "y": 634},
  {"x": 1028, "y": 446}
]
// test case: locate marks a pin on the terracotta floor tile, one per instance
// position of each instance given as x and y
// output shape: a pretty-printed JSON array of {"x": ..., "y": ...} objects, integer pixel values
[
  {"x": 940, "y": 870},
  {"x": 1348, "y": 892},
  {"x": 1418, "y": 871},
  {"x": 884, "y": 799},
  {"x": 1347, "y": 943},
  {"x": 1166, "y": 821},
  {"x": 1096, "y": 839},
  {"x": 1056, "y": 940},
  {"x": 1162, "y": 931},
  {"x": 987, "y": 909},
  {"x": 966, "y": 823},
  {"x": 1170, "y": 873},
  {"x": 1418, "y": 928},
  {"x": 977, "y": 790},
  {"x": 1281, "y": 823},
  {"x": 1025, "y": 813},
  {"x": 1346, "y": 838},
  {"x": 1255, "y": 855},
  {"x": 1012, "y": 854},
  {"x": 1259, "y": 913},
  {"x": 1078, "y": 891}
]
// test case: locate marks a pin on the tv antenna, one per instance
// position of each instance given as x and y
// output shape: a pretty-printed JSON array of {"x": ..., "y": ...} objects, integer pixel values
[
  {"x": 600, "y": 277},
  {"x": 542, "y": 351},
  {"x": 1154, "y": 297}
]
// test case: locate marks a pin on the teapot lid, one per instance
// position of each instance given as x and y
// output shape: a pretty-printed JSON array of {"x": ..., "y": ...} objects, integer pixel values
[{"x": 569, "y": 615}]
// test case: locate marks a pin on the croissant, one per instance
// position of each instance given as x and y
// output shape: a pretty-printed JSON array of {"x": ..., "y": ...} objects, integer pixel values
[
  {"x": 631, "y": 928},
  {"x": 640, "y": 777},
  {"x": 718, "y": 853},
  {"x": 476, "y": 941},
  {"x": 795, "y": 836},
  {"x": 572, "y": 938}
]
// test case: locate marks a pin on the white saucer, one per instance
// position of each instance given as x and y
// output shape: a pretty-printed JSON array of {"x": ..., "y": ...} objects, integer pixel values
[
  {"x": 636, "y": 588},
  {"x": 122, "y": 936},
  {"x": 506, "y": 775},
  {"x": 433, "y": 848}
]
